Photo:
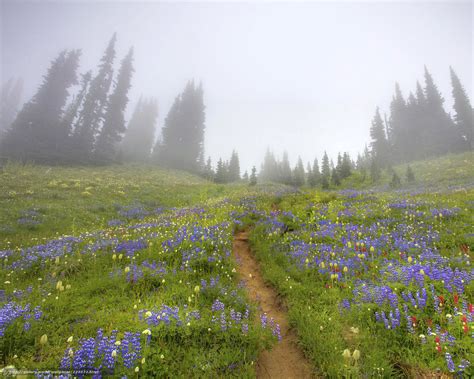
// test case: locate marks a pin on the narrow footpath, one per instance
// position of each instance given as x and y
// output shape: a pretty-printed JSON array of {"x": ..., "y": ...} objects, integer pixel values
[{"x": 285, "y": 360}]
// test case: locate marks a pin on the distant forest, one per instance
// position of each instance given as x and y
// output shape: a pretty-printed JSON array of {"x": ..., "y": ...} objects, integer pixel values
[{"x": 79, "y": 119}]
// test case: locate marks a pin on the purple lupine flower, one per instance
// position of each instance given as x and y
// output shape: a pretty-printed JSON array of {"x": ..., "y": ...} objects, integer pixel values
[
  {"x": 217, "y": 306},
  {"x": 450, "y": 363}
]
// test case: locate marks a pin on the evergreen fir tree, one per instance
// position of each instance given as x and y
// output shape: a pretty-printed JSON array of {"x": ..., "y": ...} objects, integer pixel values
[
  {"x": 114, "y": 119},
  {"x": 395, "y": 182},
  {"x": 221, "y": 174},
  {"x": 380, "y": 148},
  {"x": 325, "y": 172},
  {"x": 72, "y": 109},
  {"x": 92, "y": 113},
  {"x": 10, "y": 96},
  {"x": 285, "y": 175},
  {"x": 36, "y": 132},
  {"x": 209, "y": 173},
  {"x": 412, "y": 141},
  {"x": 397, "y": 127},
  {"x": 439, "y": 128},
  {"x": 299, "y": 174},
  {"x": 463, "y": 115},
  {"x": 138, "y": 140},
  {"x": 410, "y": 175},
  {"x": 234, "y": 167},
  {"x": 335, "y": 178},
  {"x": 245, "y": 177},
  {"x": 361, "y": 167},
  {"x": 375, "y": 170},
  {"x": 346, "y": 166},
  {"x": 269, "y": 170},
  {"x": 253, "y": 177},
  {"x": 182, "y": 146},
  {"x": 309, "y": 173},
  {"x": 339, "y": 165},
  {"x": 315, "y": 177}
]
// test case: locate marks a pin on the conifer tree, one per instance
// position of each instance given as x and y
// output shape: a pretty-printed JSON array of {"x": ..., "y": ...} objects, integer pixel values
[
  {"x": 412, "y": 140},
  {"x": 209, "y": 173},
  {"x": 375, "y": 170},
  {"x": 346, "y": 166},
  {"x": 395, "y": 182},
  {"x": 269, "y": 170},
  {"x": 410, "y": 175},
  {"x": 463, "y": 113},
  {"x": 138, "y": 139},
  {"x": 299, "y": 174},
  {"x": 245, "y": 177},
  {"x": 36, "y": 132},
  {"x": 234, "y": 167},
  {"x": 253, "y": 177},
  {"x": 10, "y": 96},
  {"x": 285, "y": 175},
  {"x": 114, "y": 119},
  {"x": 397, "y": 126},
  {"x": 325, "y": 172},
  {"x": 182, "y": 146},
  {"x": 339, "y": 165},
  {"x": 72, "y": 109},
  {"x": 309, "y": 174},
  {"x": 92, "y": 113},
  {"x": 379, "y": 144},
  {"x": 221, "y": 172},
  {"x": 315, "y": 174},
  {"x": 439, "y": 128},
  {"x": 335, "y": 178}
]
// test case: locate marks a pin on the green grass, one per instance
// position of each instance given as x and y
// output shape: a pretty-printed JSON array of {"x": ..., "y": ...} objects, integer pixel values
[
  {"x": 443, "y": 172},
  {"x": 314, "y": 299},
  {"x": 76, "y": 200},
  {"x": 187, "y": 226}
]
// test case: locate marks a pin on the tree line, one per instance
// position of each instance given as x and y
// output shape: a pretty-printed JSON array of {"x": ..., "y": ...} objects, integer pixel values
[
  {"x": 419, "y": 127},
  {"x": 49, "y": 129},
  {"x": 80, "y": 119}
]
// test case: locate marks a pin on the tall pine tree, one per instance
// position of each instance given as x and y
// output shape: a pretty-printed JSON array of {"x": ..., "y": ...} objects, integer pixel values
[
  {"x": 114, "y": 119},
  {"x": 325, "y": 172},
  {"x": 234, "y": 167},
  {"x": 299, "y": 174},
  {"x": 397, "y": 126},
  {"x": 10, "y": 96},
  {"x": 182, "y": 144},
  {"x": 379, "y": 144},
  {"x": 463, "y": 115},
  {"x": 140, "y": 134},
  {"x": 439, "y": 128},
  {"x": 36, "y": 132},
  {"x": 92, "y": 113}
]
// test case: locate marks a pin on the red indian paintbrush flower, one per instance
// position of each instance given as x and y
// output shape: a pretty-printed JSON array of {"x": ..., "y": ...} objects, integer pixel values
[{"x": 456, "y": 299}]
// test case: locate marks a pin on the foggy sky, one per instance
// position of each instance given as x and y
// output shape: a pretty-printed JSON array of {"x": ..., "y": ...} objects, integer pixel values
[{"x": 305, "y": 77}]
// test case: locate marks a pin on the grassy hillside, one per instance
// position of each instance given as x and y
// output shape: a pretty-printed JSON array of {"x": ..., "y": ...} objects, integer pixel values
[
  {"x": 40, "y": 201},
  {"x": 443, "y": 172},
  {"x": 128, "y": 270}
]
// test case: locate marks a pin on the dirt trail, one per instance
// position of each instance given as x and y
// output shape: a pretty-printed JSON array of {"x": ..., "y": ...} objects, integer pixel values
[{"x": 285, "y": 360}]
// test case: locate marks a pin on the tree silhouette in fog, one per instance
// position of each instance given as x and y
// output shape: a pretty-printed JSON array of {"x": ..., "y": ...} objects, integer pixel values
[
  {"x": 114, "y": 119},
  {"x": 93, "y": 110},
  {"x": 37, "y": 134},
  {"x": 10, "y": 96},
  {"x": 140, "y": 134},
  {"x": 182, "y": 144}
]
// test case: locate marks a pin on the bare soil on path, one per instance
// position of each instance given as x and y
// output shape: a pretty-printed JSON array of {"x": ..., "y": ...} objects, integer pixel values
[{"x": 286, "y": 360}]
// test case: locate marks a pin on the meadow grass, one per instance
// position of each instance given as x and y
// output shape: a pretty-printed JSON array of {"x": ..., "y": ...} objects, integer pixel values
[{"x": 94, "y": 256}]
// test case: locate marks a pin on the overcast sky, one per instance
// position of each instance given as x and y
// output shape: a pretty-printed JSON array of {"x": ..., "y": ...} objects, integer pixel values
[{"x": 303, "y": 77}]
